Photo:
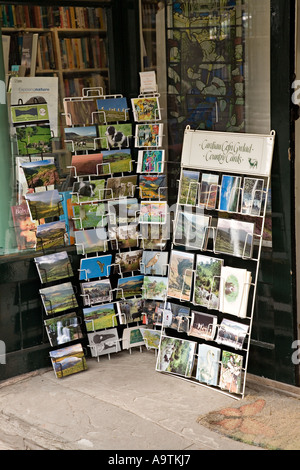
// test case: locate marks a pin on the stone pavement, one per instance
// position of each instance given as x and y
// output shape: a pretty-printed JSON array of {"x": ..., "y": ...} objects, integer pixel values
[{"x": 120, "y": 403}]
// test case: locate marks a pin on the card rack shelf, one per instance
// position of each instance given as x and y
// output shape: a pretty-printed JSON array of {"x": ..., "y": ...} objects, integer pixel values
[{"x": 217, "y": 336}]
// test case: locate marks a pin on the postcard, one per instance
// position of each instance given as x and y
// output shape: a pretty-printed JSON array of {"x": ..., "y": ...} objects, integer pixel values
[
  {"x": 151, "y": 161},
  {"x": 63, "y": 329},
  {"x": 175, "y": 316},
  {"x": 148, "y": 135},
  {"x": 94, "y": 292},
  {"x": 123, "y": 211},
  {"x": 129, "y": 287},
  {"x": 153, "y": 312},
  {"x": 44, "y": 204},
  {"x": 25, "y": 228},
  {"x": 208, "y": 364},
  {"x": 207, "y": 281},
  {"x": 153, "y": 187},
  {"x": 131, "y": 310},
  {"x": 176, "y": 356},
  {"x": 180, "y": 275},
  {"x": 230, "y": 193},
  {"x": 104, "y": 342},
  {"x": 81, "y": 138},
  {"x": 101, "y": 316},
  {"x": 89, "y": 215},
  {"x": 29, "y": 113},
  {"x": 127, "y": 261},
  {"x": 58, "y": 298},
  {"x": 88, "y": 191},
  {"x": 188, "y": 190},
  {"x": 191, "y": 229},
  {"x": 234, "y": 290},
  {"x": 154, "y": 236},
  {"x": 112, "y": 109},
  {"x": 121, "y": 186},
  {"x": 155, "y": 287},
  {"x": 203, "y": 325},
  {"x": 54, "y": 267},
  {"x": 232, "y": 333},
  {"x": 252, "y": 196},
  {"x": 51, "y": 234},
  {"x": 91, "y": 240},
  {"x": 40, "y": 173},
  {"x": 231, "y": 372},
  {"x": 68, "y": 360},
  {"x": 79, "y": 112},
  {"x": 98, "y": 266},
  {"x": 132, "y": 337},
  {"x": 234, "y": 237},
  {"x": 146, "y": 109},
  {"x": 151, "y": 337},
  {"x": 154, "y": 263},
  {"x": 209, "y": 190},
  {"x": 34, "y": 139},
  {"x": 153, "y": 212},
  {"x": 116, "y": 161},
  {"x": 21, "y": 182},
  {"x": 124, "y": 236},
  {"x": 87, "y": 164},
  {"x": 115, "y": 136}
]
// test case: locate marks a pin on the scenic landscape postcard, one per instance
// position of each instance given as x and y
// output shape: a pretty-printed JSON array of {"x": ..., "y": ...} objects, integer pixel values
[
  {"x": 91, "y": 240},
  {"x": 252, "y": 196},
  {"x": 207, "y": 281},
  {"x": 123, "y": 211},
  {"x": 87, "y": 164},
  {"x": 53, "y": 267},
  {"x": 154, "y": 212},
  {"x": 96, "y": 292},
  {"x": 155, "y": 287},
  {"x": 63, "y": 329},
  {"x": 231, "y": 372},
  {"x": 154, "y": 263},
  {"x": 124, "y": 236},
  {"x": 112, "y": 109},
  {"x": 176, "y": 356},
  {"x": 234, "y": 237},
  {"x": 29, "y": 113},
  {"x": 208, "y": 364},
  {"x": 51, "y": 235},
  {"x": 146, "y": 109},
  {"x": 234, "y": 290},
  {"x": 131, "y": 310},
  {"x": 175, "y": 316},
  {"x": 230, "y": 193},
  {"x": 180, "y": 275},
  {"x": 89, "y": 215},
  {"x": 40, "y": 173},
  {"x": 93, "y": 267},
  {"x": 81, "y": 138},
  {"x": 116, "y": 161},
  {"x": 188, "y": 190},
  {"x": 101, "y": 316},
  {"x": 151, "y": 161},
  {"x": 34, "y": 139},
  {"x": 68, "y": 360},
  {"x": 203, "y": 325},
  {"x": 127, "y": 261},
  {"x": 148, "y": 135},
  {"x": 58, "y": 298},
  {"x": 151, "y": 338},
  {"x": 44, "y": 204},
  {"x": 191, "y": 229},
  {"x": 79, "y": 112},
  {"x": 232, "y": 333},
  {"x": 153, "y": 187},
  {"x": 121, "y": 186},
  {"x": 208, "y": 190},
  {"x": 88, "y": 191},
  {"x": 132, "y": 337},
  {"x": 130, "y": 287},
  {"x": 115, "y": 136},
  {"x": 104, "y": 342},
  {"x": 21, "y": 182}
]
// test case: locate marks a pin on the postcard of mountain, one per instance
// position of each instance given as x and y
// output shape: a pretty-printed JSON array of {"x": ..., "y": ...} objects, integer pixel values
[
  {"x": 81, "y": 138},
  {"x": 63, "y": 329},
  {"x": 44, "y": 204},
  {"x": 154, "y": 263},
  {"x": 153, "y": 187},
  {"x": 176, "y": 356},
  {"x": 231, "y": 372},
  {"x": 40, "y": 173},
  {"x": 116, "y": 161},
  {"x": 148, "y": 135},
  {"x": 252, "y": 196},
  {"x": 151, "y": 161},
  {"x": 29, "y": 113},
  {"x": 209, "y": 190},
  {"x": 113, "y": 109},
  {"x": 51, "y": 235},
  {"x": 58, "y": 298},
  {"x": 207, "y": 281},
  {"x": 104, "y": 342},
  {"x": 88, "y": 191},
  {"x": 68, "y": 360},
  {"x": 155, "y": 287},
  {"x": 115, "y": 136},
  {"x": 54, "y": 267},
  {"x": 91, "y": 240},
  {"x": 100, "y": 317},
  {"x": 86, "y": 165},
  {"x": 79, "y": 112},
  {"x": 94, "y": 292},
  {"x": 129, "y": 287},
  {"x": 208, "y": 364},
  {"x": 93, "y": 267},
  {"x": 230, "y": 193},
  {"x": 188, "y": 187},
  {"x": 89, "y": 215},
  {"x": 180, "y": 275},
  {"x": 34, "y": 139},
  {"x": 146, "y": 109},
  {"x": 234, "y": 237}
]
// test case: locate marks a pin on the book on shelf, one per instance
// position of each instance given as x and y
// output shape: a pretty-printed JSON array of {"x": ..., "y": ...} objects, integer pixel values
[
  {"x": 29, "y": 53},
  {"x": 234, "y": 291}
]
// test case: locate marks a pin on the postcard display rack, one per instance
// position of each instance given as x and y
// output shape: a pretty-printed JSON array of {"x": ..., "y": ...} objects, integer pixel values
[{"x": 215, "y": 253}]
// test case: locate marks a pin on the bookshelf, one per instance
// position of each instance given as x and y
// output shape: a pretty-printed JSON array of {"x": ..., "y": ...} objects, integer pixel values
[{"x": 71, "y": 43}]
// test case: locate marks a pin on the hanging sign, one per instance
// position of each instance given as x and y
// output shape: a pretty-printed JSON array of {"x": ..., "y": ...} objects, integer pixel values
[{"x": 224, "y": 151}]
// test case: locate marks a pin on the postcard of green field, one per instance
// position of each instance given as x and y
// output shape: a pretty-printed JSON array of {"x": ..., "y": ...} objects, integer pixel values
[{"x": 100, "y": 317}]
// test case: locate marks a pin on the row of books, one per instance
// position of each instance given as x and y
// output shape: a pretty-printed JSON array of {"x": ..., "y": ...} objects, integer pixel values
[
  {"x": 83, "y": 53},
  {"x": 31, "y": 16}
]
